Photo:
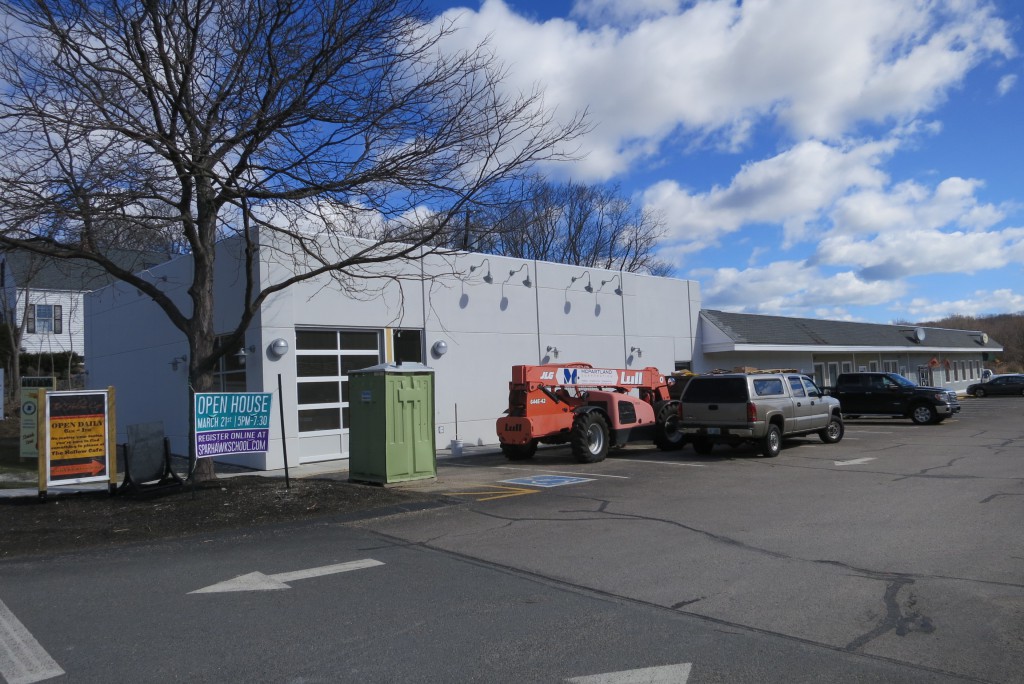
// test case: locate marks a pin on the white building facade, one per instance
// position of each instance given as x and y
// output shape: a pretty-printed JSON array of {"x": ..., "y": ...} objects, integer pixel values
[{"x": 470, "y": 317}]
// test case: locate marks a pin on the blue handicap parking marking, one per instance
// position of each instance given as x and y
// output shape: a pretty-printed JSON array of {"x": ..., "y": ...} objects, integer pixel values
[{"x": 547, "y": 480}]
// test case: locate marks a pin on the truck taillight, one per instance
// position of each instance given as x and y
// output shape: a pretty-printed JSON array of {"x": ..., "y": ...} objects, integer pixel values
[{"x": 751, "y": 412}]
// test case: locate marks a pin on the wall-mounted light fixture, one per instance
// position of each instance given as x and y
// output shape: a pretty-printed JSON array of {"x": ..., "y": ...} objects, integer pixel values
[
  {"x": 178, "y": 360},
  {"x": 439, "y": 349},
  {"x": 588, "y": 287},
  {"x": 488, "y": 278},
  {"x": 618, "y": 288},
  {"x": 278, "y": 347},
  {"x": 553, "y": 351},
  {"x": 242, "y": 351},
  {"x": 526, "y": 281},
  {"x": 637, "y": 350}
]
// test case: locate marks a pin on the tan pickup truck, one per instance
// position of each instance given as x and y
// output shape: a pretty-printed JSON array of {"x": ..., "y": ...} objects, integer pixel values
[{"x": 763, "y": 408}]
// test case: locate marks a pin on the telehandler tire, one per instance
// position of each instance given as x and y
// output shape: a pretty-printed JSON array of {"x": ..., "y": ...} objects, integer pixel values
[
  {"x": 667, "y": 435},
  {"x": 590, "y": 439},
  {"x": 519, "y": 452}
]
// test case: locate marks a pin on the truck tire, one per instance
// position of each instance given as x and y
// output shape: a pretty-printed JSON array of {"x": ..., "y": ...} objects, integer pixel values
[
  {"x": 667, "y": 435},
  {"x": 771, "y": 443},
  {"x": 589, "y": 439},
  {"x": 703, "y": 446},
  {"x": 519, "y": 452},
  {"x": 834, "y": 431},
  {"x": 923, "y": 414}
]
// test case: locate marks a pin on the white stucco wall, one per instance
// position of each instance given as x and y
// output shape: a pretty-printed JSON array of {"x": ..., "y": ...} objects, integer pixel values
[{"x": 488, "y": 326}]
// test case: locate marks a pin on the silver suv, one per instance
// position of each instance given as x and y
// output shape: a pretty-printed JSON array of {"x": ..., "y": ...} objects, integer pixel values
[{"x": 754, "y": 407}]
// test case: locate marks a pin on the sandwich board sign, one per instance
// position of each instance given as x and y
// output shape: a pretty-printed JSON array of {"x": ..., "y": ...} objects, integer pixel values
[{"x": 77, "y": 438}]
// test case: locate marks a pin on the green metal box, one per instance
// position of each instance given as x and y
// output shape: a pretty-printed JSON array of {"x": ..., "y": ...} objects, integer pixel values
[{"x": 391, "y": 424}]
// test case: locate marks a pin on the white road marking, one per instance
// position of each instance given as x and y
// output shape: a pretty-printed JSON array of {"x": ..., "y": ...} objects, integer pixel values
[
  {"x": 257, "y": 581},
  {"x": 563, "y": 472},
  {"x": 671, "y": 463},
  {"x": 856, "y": 461},
  {"x": 870, "y": 432},
  {"x": 668, "y": 674},
  {"x": 22, "y": 659}
]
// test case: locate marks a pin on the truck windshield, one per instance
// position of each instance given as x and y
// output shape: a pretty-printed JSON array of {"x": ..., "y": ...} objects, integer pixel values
[{"x": 901, "y": 381}]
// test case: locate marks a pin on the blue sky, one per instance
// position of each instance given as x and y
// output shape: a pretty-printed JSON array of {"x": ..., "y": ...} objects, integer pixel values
[{"x": 821, "y": 158}]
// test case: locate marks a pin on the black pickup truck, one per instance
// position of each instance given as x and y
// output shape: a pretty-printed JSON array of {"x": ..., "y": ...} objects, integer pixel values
[{"x": 891, "y": 394}]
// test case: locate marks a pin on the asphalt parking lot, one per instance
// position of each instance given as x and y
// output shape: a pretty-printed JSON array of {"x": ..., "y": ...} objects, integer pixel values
[{"x": 900, "y": 543}]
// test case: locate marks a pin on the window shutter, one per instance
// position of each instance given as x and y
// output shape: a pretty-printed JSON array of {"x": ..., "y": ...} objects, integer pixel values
[
  {"x": 30, "y": 326},
  {"x": 58, "y": 325}
]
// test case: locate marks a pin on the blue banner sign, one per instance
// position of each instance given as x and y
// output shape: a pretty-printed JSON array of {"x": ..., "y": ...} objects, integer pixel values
[{"x": 231, "y": 423}]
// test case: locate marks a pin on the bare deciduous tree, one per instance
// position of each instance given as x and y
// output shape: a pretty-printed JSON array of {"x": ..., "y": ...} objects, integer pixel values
[
  {"x": 188, "y": 121},
  {"x": 570, "y": 223}
]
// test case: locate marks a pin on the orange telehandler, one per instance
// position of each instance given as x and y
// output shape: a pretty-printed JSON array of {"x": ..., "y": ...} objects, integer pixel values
[{"x": 593, "y": 409}]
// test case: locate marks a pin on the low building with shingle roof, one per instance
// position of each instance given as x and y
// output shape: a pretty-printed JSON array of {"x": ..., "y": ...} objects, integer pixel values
[{"x": 822, "y": 348}]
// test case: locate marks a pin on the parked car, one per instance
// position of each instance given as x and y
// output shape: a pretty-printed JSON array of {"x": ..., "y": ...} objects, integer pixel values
[
  {"x": 999, "y": 385},
  {"x": 891, "y": 394}
]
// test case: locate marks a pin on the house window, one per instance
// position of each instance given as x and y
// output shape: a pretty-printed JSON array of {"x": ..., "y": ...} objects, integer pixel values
[
  {"x": 890, "y": 366},
  {"x": 847, "y": 366},
  {"x": 873, "y": 365},
  {"x": 45, "y": 318},
  {"x": 323, "y": 360}
]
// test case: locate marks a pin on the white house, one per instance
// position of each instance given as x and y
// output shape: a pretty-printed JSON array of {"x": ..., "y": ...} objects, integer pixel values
[
  {"x": 49, "y": 293},
  {"x": 468, "y": 316}
]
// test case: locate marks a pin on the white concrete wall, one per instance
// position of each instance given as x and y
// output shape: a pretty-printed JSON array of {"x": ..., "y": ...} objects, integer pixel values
[{"x": 488, "y": 326}]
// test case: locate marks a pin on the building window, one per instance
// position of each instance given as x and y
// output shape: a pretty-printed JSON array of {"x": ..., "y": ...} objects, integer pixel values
[
  {"x": 229, "y": 375},
  {"x": 323, "y": 360},
  {"x": 45, "y": 318},
  {"x": 847, "y": 366},
  {"x": 891, "y": 366},
  {"x": 873, "y": 365},
  {"x": 408, "y": 346}
]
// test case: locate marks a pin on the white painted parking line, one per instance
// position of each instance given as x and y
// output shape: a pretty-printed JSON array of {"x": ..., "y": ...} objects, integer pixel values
[
  {"x": 22, "y": 659},
  {"x": 856, "y": 461},
  {"x": 670, "y": 463},
  {"x": 668, "y": 674},
  {"x": 869, "y": 432}
]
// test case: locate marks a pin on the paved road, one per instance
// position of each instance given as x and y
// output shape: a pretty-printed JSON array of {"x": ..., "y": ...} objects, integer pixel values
[
  {"x": 818, "y": 565},
  {"x": 901, "y": 542}
]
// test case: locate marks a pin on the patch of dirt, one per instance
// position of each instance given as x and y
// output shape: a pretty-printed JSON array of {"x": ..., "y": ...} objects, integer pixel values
[{"x": 69, "y": 522}]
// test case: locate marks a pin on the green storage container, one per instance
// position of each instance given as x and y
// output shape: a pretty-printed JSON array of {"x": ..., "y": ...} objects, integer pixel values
[{"x": 391, "y": 424}]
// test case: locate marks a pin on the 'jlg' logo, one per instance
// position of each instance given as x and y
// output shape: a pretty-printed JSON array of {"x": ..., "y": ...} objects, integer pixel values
[
  {"x": 514, "y": 428},
  {"x": 547, "y": 375},
  {"x": 631, "y": 378}
]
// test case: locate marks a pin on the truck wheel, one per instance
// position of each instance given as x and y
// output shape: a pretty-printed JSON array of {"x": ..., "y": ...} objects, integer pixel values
[
  {"x": 834, "y": 431},
  {"x": 979, "y": 392},
  {"x": 589, "y": 437},
  {"x": 519, "y": 452},
  {"x": 667, "y": 435},
  {"x": 922, "y": 414},
  {"x": 771, "y": 443},
  {"x": 703, "y": 446}
]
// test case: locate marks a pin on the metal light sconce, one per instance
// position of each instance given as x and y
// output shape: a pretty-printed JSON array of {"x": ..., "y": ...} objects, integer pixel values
[
  {"x": 178, "y": 360},
  {"x": 526, "y": 281},
  {"x": 553, "y": 351},
  {"x": 488, "y": 278},
  {"x": 588, "y": 287},
  {"x": 242, "y": 351},
  {"x": 618, "y": 288},
  {"x": 278, "y": 347},
  {"x": 638, "y": 350},
  {"x": 439, "y": 349}
]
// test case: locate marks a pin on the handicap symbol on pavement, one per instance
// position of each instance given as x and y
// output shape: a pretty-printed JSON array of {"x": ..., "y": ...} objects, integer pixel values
[{"x": 547, "y": 480}]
